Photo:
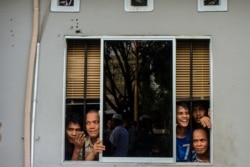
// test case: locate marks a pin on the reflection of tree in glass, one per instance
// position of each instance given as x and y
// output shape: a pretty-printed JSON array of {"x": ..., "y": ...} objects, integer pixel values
[
  {"x": 211, "y": 2},
  {"x": 138, "y": 80},
  {"x": 137, "y": 63}
]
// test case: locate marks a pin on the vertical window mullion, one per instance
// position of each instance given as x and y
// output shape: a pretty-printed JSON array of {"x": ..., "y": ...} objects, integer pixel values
[{"x": 85, "y": 73}]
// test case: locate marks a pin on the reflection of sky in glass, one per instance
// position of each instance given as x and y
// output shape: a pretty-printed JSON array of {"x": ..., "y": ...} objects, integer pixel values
[{"x": 211, "y": 2}]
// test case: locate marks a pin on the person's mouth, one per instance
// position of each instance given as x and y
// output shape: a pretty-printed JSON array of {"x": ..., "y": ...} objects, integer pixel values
[
  {"x": 199, "y": 149},
  {"x": 184, "y": 121}
]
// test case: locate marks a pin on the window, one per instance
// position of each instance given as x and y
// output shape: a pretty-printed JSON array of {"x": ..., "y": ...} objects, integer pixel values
[{"x": 141, "y": 79}]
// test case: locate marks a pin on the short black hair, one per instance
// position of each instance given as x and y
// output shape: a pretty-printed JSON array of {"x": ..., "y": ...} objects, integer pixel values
[
  {"x": 182, "y": 104},
  {"x": 206, "y": 130},
  {"x": 202, "y": 103},
  {"x": 73, "y": 119}
]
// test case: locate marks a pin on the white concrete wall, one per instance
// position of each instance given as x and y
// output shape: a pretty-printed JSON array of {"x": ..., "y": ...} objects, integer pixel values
[{"x": 230, "y": 43}]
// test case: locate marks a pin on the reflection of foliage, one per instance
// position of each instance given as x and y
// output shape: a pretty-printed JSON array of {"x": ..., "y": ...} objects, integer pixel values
[
  {"x": 156, "y": 101},
  {"x": 117, "y": 56},
  {"x": 146, "y": 65}
]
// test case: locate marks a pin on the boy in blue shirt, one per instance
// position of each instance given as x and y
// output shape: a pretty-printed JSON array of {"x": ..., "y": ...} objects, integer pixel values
[{"x": 182, "y": 133}]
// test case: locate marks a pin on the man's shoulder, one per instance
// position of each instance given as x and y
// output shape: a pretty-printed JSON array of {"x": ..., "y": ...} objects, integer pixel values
[{"x": 88, "y": 141}]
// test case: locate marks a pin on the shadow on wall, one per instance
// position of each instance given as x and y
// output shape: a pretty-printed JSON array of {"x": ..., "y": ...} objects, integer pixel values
[{"x": 0, "y": 132}]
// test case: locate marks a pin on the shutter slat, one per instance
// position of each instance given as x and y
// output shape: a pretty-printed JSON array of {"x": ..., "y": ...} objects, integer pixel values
[
  {"x": 76, "y": 66},
  {"x": 200, "y": 74}
]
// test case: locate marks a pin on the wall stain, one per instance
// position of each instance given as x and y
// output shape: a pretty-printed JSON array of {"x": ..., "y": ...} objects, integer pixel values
[
  {"x": 0, "y": 131},
  {"x": 225, "y": 146}
]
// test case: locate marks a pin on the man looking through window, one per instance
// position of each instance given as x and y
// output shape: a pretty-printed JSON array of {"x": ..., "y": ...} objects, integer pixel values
[
  {"x": 93, "y": 145},
  {"x": 182, "y": 133},
  {"x": 201, "y": 114},
  {"x": 75, "y": 139},
  {"x": 201, "y": 145}
]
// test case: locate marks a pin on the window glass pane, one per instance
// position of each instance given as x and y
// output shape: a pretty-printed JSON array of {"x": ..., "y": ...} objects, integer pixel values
[{"x": 138, "y": 85}]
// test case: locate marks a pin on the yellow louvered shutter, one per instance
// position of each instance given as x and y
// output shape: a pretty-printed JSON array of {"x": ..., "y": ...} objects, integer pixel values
[
  {"x": 192, "y": 70},
  {"x": 83, "y": 69},
  {"x": 182, "y": 70},
  {"x": 93, "y": 68}
]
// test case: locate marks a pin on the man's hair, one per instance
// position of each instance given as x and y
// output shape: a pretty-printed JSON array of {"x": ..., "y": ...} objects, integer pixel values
[
  {"x": 92, "y": 111},
  {"x": 203, "y": 104},
  {"x": 72, "y": 119},
  {"x": 182, "y": 104},
  {"x": 206, "y": 130}
]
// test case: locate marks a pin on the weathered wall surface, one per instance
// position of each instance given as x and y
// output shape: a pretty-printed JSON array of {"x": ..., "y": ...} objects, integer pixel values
[{"x": 230, "y": 51}]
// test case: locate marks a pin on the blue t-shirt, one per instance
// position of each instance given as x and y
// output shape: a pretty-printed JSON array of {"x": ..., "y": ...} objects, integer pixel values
[
  {"x": 119, "y": 138},
  {"x": 183, "y": 148}
]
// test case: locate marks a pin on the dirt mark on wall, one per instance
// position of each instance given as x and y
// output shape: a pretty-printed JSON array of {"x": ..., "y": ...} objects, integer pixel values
[
  {"x": 225, "y": 149},
  {"x": 0, "y": 131}
]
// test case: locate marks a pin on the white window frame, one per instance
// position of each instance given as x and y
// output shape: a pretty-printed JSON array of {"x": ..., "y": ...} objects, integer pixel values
[
  {"x": 146, "y": 160},
  {"x": 138, "y": 159}
]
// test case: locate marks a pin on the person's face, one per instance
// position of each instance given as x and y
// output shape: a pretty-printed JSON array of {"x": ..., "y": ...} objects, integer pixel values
[
  {"x": 92, "y": 124},
  {"x": 182, "y": 116},
  {"x": 109, "y": 124},
  {"x": 200, "y": 141},
  {"x": 198, "y": 112},
  {"x": 71, "y": 131}
]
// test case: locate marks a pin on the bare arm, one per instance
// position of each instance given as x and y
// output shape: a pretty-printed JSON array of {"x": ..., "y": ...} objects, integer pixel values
[
  {"x": 98, "y": 147},
  {"x": 79, "y": 141},
  {"x": 205, "y": 121}
]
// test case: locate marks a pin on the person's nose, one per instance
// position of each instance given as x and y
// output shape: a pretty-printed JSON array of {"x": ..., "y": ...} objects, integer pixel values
[
  {"x": 92, "y": 125},
  {"x": 199, "y": 143},
  {"x": 74, "y": 132},
  {"x": 198, "y": 112}
]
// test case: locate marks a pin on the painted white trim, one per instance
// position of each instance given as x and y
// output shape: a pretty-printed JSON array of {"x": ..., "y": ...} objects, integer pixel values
[
  {"x": 64, "y": 98},
  {"x": 101, "y": 94},
  {"x": 174, "y": 99},
  {"x": 211, "y": 100}
]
